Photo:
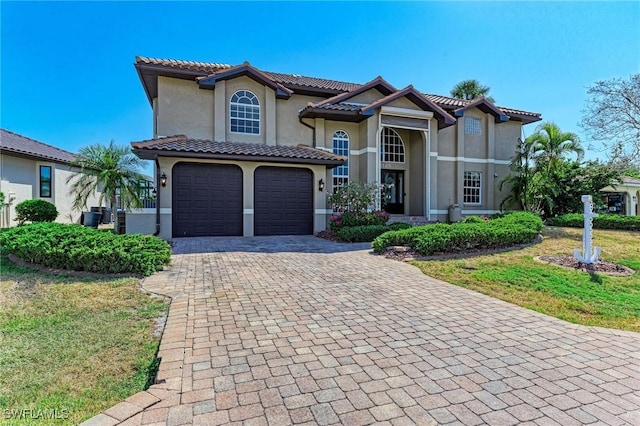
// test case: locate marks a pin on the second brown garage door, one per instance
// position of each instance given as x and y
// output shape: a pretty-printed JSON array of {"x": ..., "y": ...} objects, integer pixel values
[
  {"x": 207, "y": 200},
  {"x": 283, "y": 201}
]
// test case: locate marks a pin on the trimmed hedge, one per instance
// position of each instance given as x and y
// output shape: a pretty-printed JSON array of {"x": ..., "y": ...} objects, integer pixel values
[
  {"x": 80, "y": 248},
  {"x": 603, "y": 221},
  {"x": 35, "y": 211},
  {"x": 512, "y": 229},
  {"x": 366, "y": 233},
  {"x": 353, "y": 219}
]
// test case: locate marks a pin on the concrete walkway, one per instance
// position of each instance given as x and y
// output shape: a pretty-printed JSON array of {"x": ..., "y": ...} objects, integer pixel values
[{"x": 298, "y": 330}]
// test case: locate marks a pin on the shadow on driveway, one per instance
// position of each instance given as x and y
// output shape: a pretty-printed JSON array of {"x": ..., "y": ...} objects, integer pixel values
[{"x": 271, "y": 244}]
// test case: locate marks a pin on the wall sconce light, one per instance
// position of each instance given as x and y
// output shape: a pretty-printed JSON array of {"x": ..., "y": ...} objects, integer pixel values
[
  {"x": 320, "y": 185},
  {"x": 163, "y": 180},
  {"x": 634, "y": 198},
  {"x": 154, "y": 193}
]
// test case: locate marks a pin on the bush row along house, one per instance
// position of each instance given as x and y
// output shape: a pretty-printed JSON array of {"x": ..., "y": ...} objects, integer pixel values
[{"x": 250, "y": 152}]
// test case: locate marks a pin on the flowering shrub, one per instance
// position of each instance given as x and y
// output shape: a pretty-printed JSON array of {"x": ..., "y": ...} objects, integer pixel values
[{"x": 354, "y": 197}]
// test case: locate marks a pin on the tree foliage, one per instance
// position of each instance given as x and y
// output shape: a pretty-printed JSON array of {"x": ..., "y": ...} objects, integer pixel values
[
  {"x": 545, "y": 180},
  {"x": 470, "y": 89},
  {"x": 612, "y": 115},
  {"x": 110, "y": 170}
]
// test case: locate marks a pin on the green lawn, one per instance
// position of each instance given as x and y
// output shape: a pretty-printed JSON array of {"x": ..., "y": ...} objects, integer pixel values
[
  {"x": 578, "y": 297},
  {"x": 76, "y": 345}
]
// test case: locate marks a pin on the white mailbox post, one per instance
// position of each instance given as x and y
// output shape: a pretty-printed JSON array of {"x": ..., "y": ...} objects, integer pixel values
[{"x": 588, "y": 256}]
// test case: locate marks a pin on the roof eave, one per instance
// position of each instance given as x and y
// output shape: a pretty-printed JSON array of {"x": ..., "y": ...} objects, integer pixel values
[
  {"x": 29, "y": 156},
  {"x": 350, "y": 116},
  {"x": 152, "y": 154}
]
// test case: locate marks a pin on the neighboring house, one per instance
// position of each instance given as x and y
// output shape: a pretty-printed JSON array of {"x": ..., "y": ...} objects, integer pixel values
[
  {"x": 250, "y": 152},
  {"x": 30, "y": 169},
  {"x": 623, "y": 198}
]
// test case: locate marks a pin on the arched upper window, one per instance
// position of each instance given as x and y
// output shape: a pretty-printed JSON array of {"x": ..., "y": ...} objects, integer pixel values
[
  {"x": 244, "y": 112},
  {"x": 392, "y": 147},
  {"x": 341, "y": 147}
]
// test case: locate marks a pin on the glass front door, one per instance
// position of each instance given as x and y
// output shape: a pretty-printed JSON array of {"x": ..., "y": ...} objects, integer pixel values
[{"x": 393, "y": 192}]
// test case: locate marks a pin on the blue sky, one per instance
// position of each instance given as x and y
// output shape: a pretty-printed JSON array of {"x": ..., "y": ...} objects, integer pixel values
[{"x": 67, "y": 75}]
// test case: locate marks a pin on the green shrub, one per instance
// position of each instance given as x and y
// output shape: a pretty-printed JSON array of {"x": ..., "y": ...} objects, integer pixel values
[
  {"x": 512, "y": 229},
  {"x": 351, "y": 219},
  {"x": 603, "y": 221},
  {"x": 80, "y": 248},
  {"x": 366, "y": 233},
  {"x": 474, "y": 219},
  {"x": 35, "y": 211}
]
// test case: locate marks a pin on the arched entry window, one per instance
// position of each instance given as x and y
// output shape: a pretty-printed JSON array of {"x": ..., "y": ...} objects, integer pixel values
[
  {"x": 341, "y": 147},
  {"x": 244, "y": 113},
  {"x": 392, "y": 146}
]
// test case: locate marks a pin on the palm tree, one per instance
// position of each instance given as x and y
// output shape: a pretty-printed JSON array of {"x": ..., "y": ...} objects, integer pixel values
[
  {"x": 471, "y": 89},
  {"x": 110, "y": 170},
  {"x": 551, "y": 145}
]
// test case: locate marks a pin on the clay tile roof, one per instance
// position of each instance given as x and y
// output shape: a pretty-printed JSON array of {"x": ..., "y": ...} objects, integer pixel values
[
  {"x": 20, "y": 145},
  {"x": 446, "y": 101},
  {"x": 285, "y": 79},
  {"x": 180, "y": 145},
  {"x": 205, "y": 67},
  {"x": 298, "y": 81}
]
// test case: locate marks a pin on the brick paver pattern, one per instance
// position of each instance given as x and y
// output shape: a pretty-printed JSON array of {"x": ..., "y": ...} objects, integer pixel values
[{"x": 298, "y": 330}]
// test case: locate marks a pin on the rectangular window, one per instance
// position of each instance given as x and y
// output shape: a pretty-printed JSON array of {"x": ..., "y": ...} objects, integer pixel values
[
  {"x": 45, "y": 181},
  {"x": 472, "y": 126},
  {"x": 472, "y": 187}
]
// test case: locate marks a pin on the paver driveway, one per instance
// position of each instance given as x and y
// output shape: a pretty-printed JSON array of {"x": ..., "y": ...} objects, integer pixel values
[{"x": 281, "y": 330}]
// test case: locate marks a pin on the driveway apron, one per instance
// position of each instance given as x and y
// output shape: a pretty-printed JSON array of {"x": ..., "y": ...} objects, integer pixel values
[{"x": 299, "y": 330}]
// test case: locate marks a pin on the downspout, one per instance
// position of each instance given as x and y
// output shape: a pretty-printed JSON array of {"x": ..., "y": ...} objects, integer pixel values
[
  {"x": 313, "y": 129},
  {"x": 157, "y": 198}
]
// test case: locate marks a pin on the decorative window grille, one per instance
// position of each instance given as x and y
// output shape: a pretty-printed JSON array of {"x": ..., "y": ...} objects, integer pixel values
[
  {"x": 341, "y": 147},
  {"x": 472, "y": 126},
  {"x": 392, "y": 147},
  {"x": 244, "y": 112},
  {"x": 472, "y": 188}
]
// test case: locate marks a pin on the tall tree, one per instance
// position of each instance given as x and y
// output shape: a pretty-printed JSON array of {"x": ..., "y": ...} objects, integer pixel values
[
  {"x": 110, "y": 170},
  {"x": 612, "y": 115},
  {"x": 470, "y": 89},
  {"x": 551, "y": 145}
]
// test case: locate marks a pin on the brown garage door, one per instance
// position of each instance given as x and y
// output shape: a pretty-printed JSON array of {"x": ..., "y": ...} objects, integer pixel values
[
  {"x": 207, "y": 200},
  {"x": 283, "y": 201}
]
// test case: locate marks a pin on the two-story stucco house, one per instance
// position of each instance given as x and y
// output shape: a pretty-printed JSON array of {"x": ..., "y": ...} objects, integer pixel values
[
  {"x": 30, "y": 169},
  {"x": 250, "y": 152}
]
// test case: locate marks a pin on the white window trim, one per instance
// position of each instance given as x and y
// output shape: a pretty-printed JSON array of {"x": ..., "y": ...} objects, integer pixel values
[
  {"x": 259, "y": 113},
  {"x": 472, "y": 187},
  {"x": 382, "y": 143}
]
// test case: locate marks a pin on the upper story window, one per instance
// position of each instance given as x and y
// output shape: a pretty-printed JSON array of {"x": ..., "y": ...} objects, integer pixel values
[
  {"x": 341, "y": 147},
  {"x": 392, "y": 147},
  {"x": 244, "y": 112},
  {"x": 45, "y": 181},
  {"x": 472, "y": 126},
  {"x": 472, "y": 189}
]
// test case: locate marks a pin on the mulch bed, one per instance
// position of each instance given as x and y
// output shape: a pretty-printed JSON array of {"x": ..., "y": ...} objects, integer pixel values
[{"x": 602, "y": 267}]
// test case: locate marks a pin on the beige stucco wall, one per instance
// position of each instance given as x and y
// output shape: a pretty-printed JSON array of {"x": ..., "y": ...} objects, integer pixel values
[
  {"x": 20, "y": 180},
  {"x": 288, "y": 127},
  {"x": 452, "y": 151},
  {"x": 184, "y": 109},
  {"x": 507, "y": 135},
  {"x": 366, "y": 98},
  {"x": 145, "y": 223}
]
